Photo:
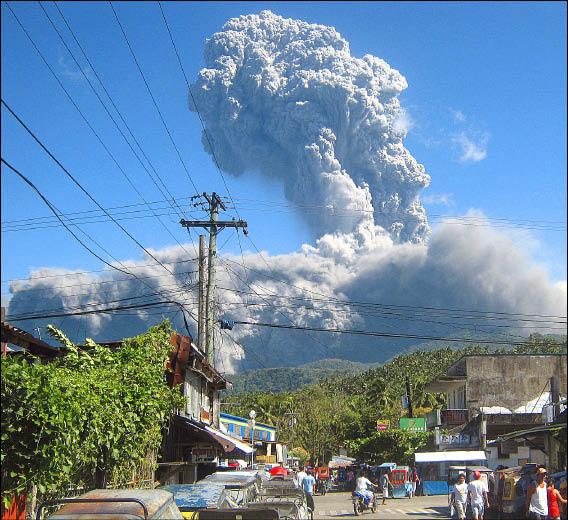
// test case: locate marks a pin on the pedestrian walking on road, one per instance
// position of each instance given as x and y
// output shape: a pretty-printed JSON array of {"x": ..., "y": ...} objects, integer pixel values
[
  {"x": 478, "y": 496},
  {"x": 537, "y": 497},
  {"x": 301, "y": 475},
  {"x": 554, "y": 497},
  {"x": 308, "y": 483},
  {"x": 415, "y": 479},
  {"x": 385, "y": 484},
  {"x": 458, "y": 499}
]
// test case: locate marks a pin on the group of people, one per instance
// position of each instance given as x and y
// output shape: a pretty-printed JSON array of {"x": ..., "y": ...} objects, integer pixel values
[
  {"x": 542, "y": 500},
  {"x": 475, "y": 493}
]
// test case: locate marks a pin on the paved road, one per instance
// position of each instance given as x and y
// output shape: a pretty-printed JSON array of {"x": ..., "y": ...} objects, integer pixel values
[{"x": 337, "y": 505}]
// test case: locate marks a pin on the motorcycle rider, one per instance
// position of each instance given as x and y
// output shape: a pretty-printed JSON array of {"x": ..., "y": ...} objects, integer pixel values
[{"x": 362, "y": 486}]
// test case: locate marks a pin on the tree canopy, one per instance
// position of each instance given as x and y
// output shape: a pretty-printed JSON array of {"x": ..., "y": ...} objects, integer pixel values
[{"x": 91, "y": 412}]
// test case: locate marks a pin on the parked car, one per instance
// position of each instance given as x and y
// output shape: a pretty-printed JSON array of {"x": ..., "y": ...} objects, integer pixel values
[
  {"x": 286, "y": 497},
  {"x": 115, "y": 504},
  {"x": 248, "y": 513},
  {"x": 240, "y": 486}
]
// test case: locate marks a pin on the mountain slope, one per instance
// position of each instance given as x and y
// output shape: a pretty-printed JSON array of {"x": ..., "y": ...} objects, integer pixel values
[{"x": 291, "y": 378}]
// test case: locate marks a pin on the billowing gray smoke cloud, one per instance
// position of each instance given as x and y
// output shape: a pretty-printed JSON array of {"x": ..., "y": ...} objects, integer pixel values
[
  {"x": 461, "y": 267},
  {"x": 287, "y": 98}
]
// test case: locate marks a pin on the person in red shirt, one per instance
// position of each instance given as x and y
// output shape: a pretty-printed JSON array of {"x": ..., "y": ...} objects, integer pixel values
[{"x": 554, "y": 497}]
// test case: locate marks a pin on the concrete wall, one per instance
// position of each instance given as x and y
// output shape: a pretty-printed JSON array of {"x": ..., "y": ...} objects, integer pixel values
[{"x": 511, "y": 381}]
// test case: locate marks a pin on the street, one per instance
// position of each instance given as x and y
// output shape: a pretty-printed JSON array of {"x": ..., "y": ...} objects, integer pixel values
[{"x": 335, "y": 505}]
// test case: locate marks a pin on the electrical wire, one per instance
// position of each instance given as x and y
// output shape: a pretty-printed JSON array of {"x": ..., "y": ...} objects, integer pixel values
[
  {"x": 117, "y": 126},
  {"x": 55, "y": 211},
  {"x": 152, "y": 97},
  {"x": 135, "y": 266},
  {"x": 386, "y": 334}
]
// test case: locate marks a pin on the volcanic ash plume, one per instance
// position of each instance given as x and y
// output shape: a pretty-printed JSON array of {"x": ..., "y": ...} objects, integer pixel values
[{"x": 286, "y": 98}]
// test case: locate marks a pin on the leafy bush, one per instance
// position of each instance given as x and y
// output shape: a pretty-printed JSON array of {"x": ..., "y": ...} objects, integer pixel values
[{"x": 89, "y": 413}]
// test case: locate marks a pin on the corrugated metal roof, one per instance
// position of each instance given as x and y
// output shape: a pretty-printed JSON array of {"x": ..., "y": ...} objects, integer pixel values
[
  {"x": 450, "y": 456},
  {"x": 153, "y": 499},
  {"x": 16, "y": 336},
  {"x": 196, "y": 496}
]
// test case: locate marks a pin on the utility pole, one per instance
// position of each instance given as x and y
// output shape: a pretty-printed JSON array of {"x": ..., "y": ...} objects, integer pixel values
[
  {"x": 409, "y": 397},
  {"x": 201, "y": 308},
  {"x": 213, "y": 225}
]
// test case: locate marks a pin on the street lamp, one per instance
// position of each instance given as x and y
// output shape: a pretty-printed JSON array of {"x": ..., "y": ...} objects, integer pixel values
[{"x": 252, "y": 415}]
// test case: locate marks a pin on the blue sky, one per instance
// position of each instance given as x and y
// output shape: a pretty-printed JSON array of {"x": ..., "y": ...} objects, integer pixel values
[{"x": 486, "y": 101}]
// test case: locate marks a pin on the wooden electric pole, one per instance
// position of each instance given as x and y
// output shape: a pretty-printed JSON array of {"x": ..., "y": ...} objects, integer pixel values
[
  {"x": 409, "y": 397},
  {"x": 213, "y": 225},
  {"x": 202, "y": 284}
]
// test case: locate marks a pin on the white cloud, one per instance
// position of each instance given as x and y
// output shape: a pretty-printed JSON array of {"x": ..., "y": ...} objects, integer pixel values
[
  {"x": 458, "y": 115},
  {"x": 471, "y": 150},
  {"x": 439, "y": 199},
  {"x": 72, "y": 72}
]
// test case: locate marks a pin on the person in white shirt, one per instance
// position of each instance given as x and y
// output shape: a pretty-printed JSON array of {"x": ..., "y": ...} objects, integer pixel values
[
  {"x": 301, "y": 475},
  {"x": 537, "y": 497},
  {"x": 478, "y": 496},
  {"x": 362, "y": 486},
  {"x": 459, "y": 497}
]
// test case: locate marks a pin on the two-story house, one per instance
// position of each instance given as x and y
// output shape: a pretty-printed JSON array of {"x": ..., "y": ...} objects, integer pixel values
[
  {"x": 267, "y": 449},
  {"x": 488, "y": 396},
  {"x": 193, "y": 444}
]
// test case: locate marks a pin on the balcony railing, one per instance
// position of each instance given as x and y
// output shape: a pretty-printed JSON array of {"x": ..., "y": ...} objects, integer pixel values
[
  {"x": 453, "y": 417},
  {"x": 446, "y": 418}
]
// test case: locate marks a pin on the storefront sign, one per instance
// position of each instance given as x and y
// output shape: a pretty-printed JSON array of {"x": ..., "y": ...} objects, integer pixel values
[
  {"x": 459, "y": 438},
  {"x": 383, "y": 425},
  {"x": 203, "y": 455},
  {"x": 413, "y": 424}
]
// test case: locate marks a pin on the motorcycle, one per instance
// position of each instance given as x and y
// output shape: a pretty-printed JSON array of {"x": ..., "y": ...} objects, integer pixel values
[
  {"x": 360, "y": 504},
  {"x": 321, "y": 487}
]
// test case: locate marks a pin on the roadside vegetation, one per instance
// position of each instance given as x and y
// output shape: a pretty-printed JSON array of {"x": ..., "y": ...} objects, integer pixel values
[
  {"x": 343, "y": 410},
  {"x": 91, "y": 418}
]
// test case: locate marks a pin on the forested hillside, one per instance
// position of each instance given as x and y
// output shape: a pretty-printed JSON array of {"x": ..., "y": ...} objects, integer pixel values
[{"x": 286, "y": 379}]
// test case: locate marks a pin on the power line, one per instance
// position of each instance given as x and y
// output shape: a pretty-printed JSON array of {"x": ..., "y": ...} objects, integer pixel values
[
  {"x": 209, "y": 142},
  {"x": 70, "y": 98},
  {"x": 47, "y": 219},
  {"x": 93, "y": 284},
  {"x": 135, "y": 266},
  {"x": 30, "y": 227},
  {"x": 378, "y": 314},
  {"x": 68, "y": 215},
  {"x": 354, "y": 211},
  {"x": 154, "y": 294},
  {"x": 114, "y": 106},
  {"x": 152, "y": 97},
  {"x": 385, "y": 334},
  {"x": 55, "y": 211},
  {"x": 95, "y": 311},
  {"x": 412, "y": 307},
  {"x": 80, "y": 186}
]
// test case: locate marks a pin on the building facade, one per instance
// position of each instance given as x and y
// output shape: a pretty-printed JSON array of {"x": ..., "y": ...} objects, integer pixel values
[
  {"x": 490, "y": 396},
  {"x": 193, "y": 444},
  {"x": 267, "y": 449}
]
